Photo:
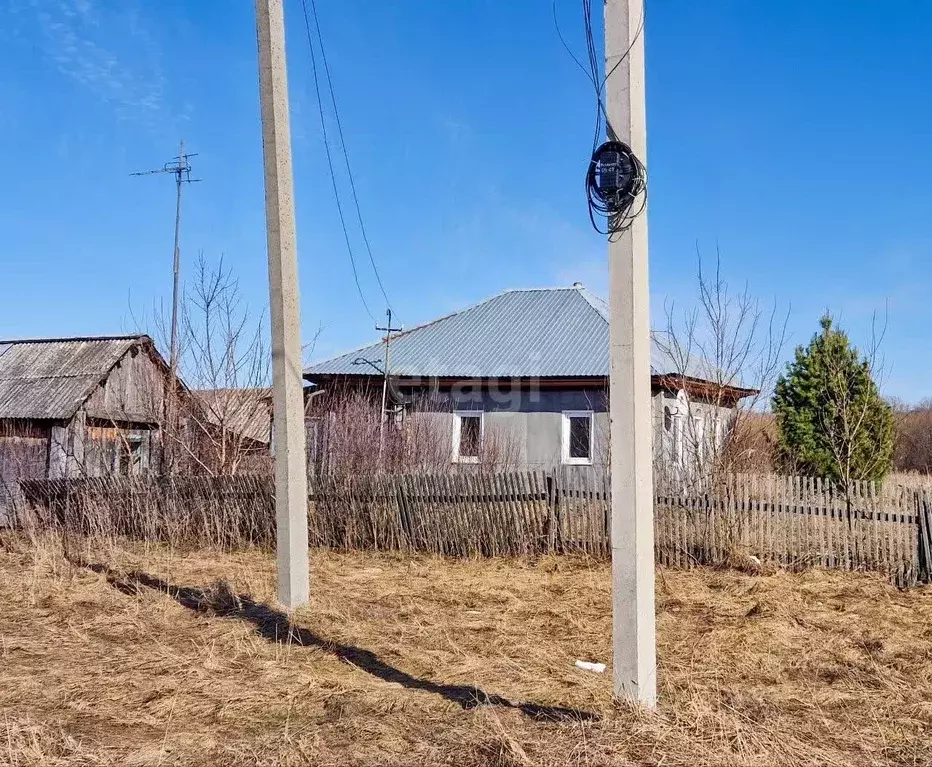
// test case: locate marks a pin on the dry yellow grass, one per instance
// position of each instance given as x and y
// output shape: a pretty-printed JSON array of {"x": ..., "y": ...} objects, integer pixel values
[{"x": 107, "y": 668}]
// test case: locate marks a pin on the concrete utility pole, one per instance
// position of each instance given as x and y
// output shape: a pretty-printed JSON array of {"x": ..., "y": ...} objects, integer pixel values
[
  {"x": 287, "y": 394},
  {"x": 633, "y": 630}
]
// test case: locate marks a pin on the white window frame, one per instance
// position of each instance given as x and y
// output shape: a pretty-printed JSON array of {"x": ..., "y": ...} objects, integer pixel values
[
  {"x": 565, "y": 449},
  {"x": 458, "y": 416}
]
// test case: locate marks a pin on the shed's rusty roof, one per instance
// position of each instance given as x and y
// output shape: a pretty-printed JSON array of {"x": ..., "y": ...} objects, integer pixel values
[
  {"x": 246, "y": 411},
  {"x": 52, "y": 377}
]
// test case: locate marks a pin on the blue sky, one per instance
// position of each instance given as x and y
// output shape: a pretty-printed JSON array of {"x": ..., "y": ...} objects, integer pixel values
[{"x": 794, "y": 136}]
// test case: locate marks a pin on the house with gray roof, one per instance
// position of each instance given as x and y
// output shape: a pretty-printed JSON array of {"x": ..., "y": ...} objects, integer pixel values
[
  {"x": 73, "y": 407},
  {"x": 530, "y": 367}
]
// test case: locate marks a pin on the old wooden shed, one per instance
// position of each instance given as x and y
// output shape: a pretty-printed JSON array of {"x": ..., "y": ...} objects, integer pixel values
[{"x": 80, "y": 407}]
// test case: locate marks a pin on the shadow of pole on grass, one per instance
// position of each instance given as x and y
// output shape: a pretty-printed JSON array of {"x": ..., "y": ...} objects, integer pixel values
[{"x": 275, "y": 626}]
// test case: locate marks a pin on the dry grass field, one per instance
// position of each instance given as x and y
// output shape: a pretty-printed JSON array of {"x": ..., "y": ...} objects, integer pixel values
[{"x": 145, "y": 656}]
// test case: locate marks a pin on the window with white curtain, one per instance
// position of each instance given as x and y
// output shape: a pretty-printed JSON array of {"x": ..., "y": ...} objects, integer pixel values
[{"x": 467, "y": 436}]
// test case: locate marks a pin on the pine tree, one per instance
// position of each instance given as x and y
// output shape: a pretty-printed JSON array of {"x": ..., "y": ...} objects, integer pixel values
[{"x": 832, "y": 421}]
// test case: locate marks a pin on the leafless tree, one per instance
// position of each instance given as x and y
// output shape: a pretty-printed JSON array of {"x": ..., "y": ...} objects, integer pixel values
[
  {"x": 914, "y": 436},
  {"x": 724, "y": 354},
  {"x": 223, "y": 421}
]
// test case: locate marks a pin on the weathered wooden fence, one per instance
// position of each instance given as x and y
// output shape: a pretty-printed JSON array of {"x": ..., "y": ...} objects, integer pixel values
[
  {"x": 797, "y": 522},
  {"x": 794, "y": 522},
  {"x": 223, "y": 512}
]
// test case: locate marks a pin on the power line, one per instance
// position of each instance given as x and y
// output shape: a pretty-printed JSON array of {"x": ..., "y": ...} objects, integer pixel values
[
  {"x": 333, "y": 177},
  {"x": 346, "y": 161},
  {"x": 349, "y": 172},
  {"x": 592, "y": 70},
  {"x": 615, "y": 177},
  {"x": 569, "y": 50}
]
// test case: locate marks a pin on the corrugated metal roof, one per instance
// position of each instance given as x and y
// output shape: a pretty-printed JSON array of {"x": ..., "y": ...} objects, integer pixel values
[
  {"x": 51, "y": 378},
  {"x": 246, "y": 412},
  {"x": 545, "y": 333}
]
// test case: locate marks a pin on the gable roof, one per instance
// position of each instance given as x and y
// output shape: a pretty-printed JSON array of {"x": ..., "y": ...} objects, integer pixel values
[
  {"x": 52, "y": 377},
  {"x": 542, "y": 333},
  {"x": 246, "y": 412}
]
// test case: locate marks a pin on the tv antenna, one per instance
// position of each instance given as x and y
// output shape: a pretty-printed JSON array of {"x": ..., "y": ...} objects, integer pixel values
[{"x": 180, "y": 168}]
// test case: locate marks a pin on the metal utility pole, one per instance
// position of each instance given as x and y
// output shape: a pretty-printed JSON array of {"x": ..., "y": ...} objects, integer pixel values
[
  {"x": 633, "y": 629},
  {"x": 287, "y": 394},
  {"x": 180, "y": 168},
  {"x": 385, "y": 373}
]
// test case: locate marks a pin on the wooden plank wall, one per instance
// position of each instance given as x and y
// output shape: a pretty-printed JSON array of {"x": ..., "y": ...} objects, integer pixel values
[{"x": 791, "y": 522}]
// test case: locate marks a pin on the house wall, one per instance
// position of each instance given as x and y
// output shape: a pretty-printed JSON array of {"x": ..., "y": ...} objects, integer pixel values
[
  {"x": 23, "y": 448},
  {"x": 536, "y": 438},
  {"x": 122, "y": 414},
  {"x": 66, "y": 448},
  {"x": 135, "y": 388},
  {"x": 35, "y": 449},
  {"x": 531, "y": 433},
  {"x": 116, "y": 450},
  {"x": 525, "y": 427},
  {"x": 39, "y": 449},
  {"x": 23, "y": 455},
  {"x": 693, "y": 432}
]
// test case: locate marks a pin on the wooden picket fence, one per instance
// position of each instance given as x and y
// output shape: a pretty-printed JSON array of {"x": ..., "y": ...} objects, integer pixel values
[
  {"x": 792, "y": 522},
  {"x": 799, "y": 522}
]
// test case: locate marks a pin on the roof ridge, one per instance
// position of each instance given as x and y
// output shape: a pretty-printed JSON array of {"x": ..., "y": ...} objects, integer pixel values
[
  {"x": 472, "y": 306},
  {"x": 48, "y": 378},
  {"x": 597, "y": 303},
  {"x": 75, "y": 339},
  {"x": 544, "y": 289},
  {"x": 594, "y": 301}
]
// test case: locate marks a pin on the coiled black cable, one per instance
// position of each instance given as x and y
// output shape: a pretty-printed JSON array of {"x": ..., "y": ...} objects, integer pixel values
[{"x": 615, "y": 180}]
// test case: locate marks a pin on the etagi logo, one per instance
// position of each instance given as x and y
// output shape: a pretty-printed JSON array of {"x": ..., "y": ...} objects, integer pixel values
[{"x": 469, "y": 386}]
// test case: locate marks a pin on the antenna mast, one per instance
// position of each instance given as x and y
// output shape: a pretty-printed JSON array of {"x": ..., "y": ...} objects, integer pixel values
[{"x": 180, "y": 168}]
